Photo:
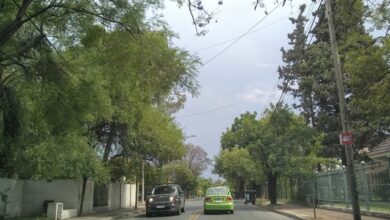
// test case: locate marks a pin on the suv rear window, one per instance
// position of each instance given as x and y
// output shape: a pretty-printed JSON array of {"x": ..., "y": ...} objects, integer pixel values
[{"x": 163, "y": 190}]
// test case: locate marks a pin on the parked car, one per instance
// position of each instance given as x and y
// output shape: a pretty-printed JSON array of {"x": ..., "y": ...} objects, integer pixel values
[
  {"x": 165, "y": 198},
  {"x": 218, "y": 199}
]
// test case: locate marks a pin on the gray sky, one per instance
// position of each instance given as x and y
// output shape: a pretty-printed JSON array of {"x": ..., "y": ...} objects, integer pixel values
[{"x": 246, "y": 73}]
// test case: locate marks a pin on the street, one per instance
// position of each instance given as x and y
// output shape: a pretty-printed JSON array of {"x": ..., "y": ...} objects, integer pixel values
[{"x": 194, "y": 211}]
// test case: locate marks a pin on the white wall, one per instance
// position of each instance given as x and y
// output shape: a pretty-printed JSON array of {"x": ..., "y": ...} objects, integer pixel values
[
  {"x": 14, "y": 190},
  {"x": 36, "y": 192},
  {"x": 88, "y": 197},
  {"x": 125, "y": 198},
  {"x": 115, "y": 196},
  {"x": 27, "y": 196},
  {"x": 133, "y": 195}
]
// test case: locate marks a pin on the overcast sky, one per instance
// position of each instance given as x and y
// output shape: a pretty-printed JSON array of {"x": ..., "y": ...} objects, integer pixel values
[{"x": 243, "y": 77}]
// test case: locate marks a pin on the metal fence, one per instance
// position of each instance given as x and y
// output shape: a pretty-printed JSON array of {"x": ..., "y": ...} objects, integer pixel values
[{"x": 373, "y": 185}]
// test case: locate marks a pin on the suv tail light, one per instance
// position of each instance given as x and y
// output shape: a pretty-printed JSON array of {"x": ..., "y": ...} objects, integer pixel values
[
  {"x": 207, "y": 199},
  {"x": 229, "y": 199}
]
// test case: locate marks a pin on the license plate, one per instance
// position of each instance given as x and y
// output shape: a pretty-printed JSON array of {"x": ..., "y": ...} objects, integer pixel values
[
  {"x": 160, "y": 206},
  {"x": 218, "y": 200}
]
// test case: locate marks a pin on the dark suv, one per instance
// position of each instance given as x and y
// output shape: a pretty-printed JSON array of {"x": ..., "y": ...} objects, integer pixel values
[{"x": 166, "y": 198}]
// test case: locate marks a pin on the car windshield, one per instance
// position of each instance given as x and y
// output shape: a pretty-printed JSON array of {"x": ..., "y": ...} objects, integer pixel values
[
  {"x": 163, "y": 190},
  {"x": 217, "y": 191}
]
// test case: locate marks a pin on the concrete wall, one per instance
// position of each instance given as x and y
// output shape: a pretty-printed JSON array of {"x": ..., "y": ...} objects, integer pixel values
[
  {"x": 133, "y": 189},
  {"x": 36, "y": 192},
  {"x": 88, "y": 197},
  {"x": 14, "y": 190},
  {"x": 115, "y": 196},
  {"x": 125, "y": 198},
  {"x": 27, "y": 196}
]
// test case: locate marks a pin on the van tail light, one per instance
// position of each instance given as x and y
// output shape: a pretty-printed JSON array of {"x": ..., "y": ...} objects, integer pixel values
[
  {"x": 207, "y": 199},
  {"x": 229, "y": 199}
]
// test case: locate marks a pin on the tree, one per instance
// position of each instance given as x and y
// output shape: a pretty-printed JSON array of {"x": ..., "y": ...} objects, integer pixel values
[
  {"x": 202, "y": 185},
  {"x": 196, "y": 159},
  {"x": 179, "y": 173},
  {"x": 275, "y": 142},
  {"x": 237, "y": 167},
  {"x": 308, "y": 74},
  {"x": 94, "y": 71}
]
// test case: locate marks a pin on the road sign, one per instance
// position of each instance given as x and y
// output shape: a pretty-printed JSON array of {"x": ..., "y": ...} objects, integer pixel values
[{"x": 346, "y": 138}]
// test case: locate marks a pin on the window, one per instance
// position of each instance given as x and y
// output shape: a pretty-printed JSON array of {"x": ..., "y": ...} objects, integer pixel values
[
  {"x": 164, "y": 190},
  {"x": 217, "y": 191}
]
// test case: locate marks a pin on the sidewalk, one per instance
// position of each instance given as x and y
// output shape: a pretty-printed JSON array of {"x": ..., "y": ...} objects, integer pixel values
[
  {"x": 304, "y": 212},
  {"x": 115, "y": 214}
]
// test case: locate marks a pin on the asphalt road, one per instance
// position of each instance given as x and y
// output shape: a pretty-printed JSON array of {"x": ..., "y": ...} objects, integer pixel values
[{"x": 194, "y": 211}]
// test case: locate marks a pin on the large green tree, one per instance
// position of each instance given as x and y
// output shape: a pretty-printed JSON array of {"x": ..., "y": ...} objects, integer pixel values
[
  {"x": 276, "y": 141},
  {"x": 308, "y": 74},
  {"x": 96, "y": 72},
  {"x": 237, "y": 167}
]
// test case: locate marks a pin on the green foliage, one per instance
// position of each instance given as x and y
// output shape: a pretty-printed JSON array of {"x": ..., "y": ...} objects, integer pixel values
[
  {"x": 179, "y": 173},
  {"x": 279, "y": 143},
  {"x": 68, "y": 156},
  {"x": 365, "y": 66},
  {"x": 202, "y": 186},
  {"x": 88, "y": 86},
  {"x": 160, "y": 138},
  {"x": 238, "y": 168},
  {"x": 282, "y": 136}
]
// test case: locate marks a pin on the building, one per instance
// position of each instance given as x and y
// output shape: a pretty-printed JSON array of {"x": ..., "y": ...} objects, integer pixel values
[{"x": 382, "y": 151}]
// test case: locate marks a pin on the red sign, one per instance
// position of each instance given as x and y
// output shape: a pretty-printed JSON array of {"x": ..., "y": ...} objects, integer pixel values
[{"x": 346, "y": 138}]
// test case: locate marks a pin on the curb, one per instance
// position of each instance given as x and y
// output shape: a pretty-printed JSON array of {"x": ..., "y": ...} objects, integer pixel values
[{"x": 281, "y": 213}]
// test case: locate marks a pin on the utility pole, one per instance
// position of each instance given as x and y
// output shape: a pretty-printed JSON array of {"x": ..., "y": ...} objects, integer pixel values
[
  {"x": 143, "y": 182},
  {"x": 343, "y": 114}
]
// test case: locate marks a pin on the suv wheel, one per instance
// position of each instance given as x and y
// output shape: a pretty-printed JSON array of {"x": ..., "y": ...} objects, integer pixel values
[
  {"x": 183, "y": 209},
  {"x": 178, "y": 211}
]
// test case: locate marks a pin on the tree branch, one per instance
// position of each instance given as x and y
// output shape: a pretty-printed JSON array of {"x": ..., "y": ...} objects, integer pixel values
[
  {"x": 85, "y": 11},
  {"x": 192, "y": 16},
  {"x": 9, "y": 30}
]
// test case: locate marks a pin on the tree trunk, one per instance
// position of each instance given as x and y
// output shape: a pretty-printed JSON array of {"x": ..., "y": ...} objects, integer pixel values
[
  {"x": 85, "y": 179},
  {"x": 242, "y": 186},
  {"x": 299, "y": 189},
  {"x": 292, "y": 189},
  {"x": 110, "y": 138},
  {"x": 11, "y": 28},
  {"x": 272, "y": 187},
  {"x": 285, "y": 187},
  {"x": 312, "y": 114}
]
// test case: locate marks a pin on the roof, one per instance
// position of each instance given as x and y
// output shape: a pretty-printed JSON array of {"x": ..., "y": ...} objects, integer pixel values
[{"x": 382, "y": 150}]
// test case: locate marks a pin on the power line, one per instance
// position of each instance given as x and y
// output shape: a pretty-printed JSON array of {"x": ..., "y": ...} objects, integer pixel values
[
  {"x": 239, "y": 38},
  {"x": 310, "y": 10},
  {"x": 243, "y": 101},
  {"x": 313, "y": 23},
  {"x": 235, "y": 38},
  {"x": 219, "y": 108}
]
